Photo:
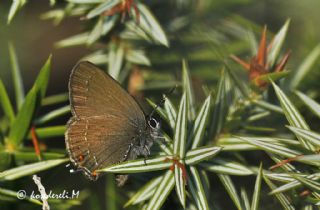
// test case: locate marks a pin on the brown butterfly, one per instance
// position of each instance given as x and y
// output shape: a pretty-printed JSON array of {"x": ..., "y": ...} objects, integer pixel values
[{"x": 107, "y": 126}]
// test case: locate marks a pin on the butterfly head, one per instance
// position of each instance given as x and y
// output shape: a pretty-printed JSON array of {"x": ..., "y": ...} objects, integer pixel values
[{"x": 154, "y": 124}]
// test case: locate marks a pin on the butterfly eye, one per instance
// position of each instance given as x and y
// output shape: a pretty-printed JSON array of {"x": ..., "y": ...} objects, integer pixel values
[{"x": 153, "y": 123}]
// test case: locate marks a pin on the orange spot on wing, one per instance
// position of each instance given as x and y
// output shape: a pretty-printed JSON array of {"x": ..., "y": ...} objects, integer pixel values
[
  {"x": 94, "y": 174},
  {"x": 80, "y": 158}
]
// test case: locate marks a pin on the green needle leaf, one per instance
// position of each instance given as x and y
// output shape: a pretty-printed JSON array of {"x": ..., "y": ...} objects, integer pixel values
[
  {"x": 150, "y": 25},
  {"x": 312, "y": 104},
  {"x": 187, "y": 87},
  {"x": 15, "y": 6},
  {"x": 294, "y": 184},
  {"x": 312, "y": 185},
  {"x": 32, "y": 156},
  {"x": 197, "y": 190},
  {"x": 268, "y": 106},
  {"x": 220, "y": 110},
  {"x": 138, "y": 57},
  {"x": 245, "y": 199},
  {"x": 272, "y": 147},
  {"x": 257, "y": 190},
  {"x": 229, "y": 186},
  {"x": 228, "y": 167},
  {"x": 76, "y": 40},
  {"x": 55, "y": 99},
  {"x": 200, "y": 124},
  {"x": 28, "y": 169},
  {"x": 111, "y": 192},
  {"x": 180, "y": 134},
  {"x": 16, "y": 76},
  {"x": 102, "y": 27},
  {"x": 22, "y": 122},
  {"x": 116, "y": 56},
  {"x": 53, "y": 115},
  {"x": 286, "y": 204},
  {"x": 308, "y": 135},
  {"x": 200, "y": 154},
  {"x": 179, "y": 148},
  {"x": 42, "y": 80},
  {"x": 13, "y": 194},
  {"x": 144, "y": 192},
  {"x": 304, "y": 68},
  {"x": 293, "y": 115},
  {"x": 51, "y": 131},
  {"x": 274, "y": 76},
  {"x": 96, "y": 31},
  {"x": 6, "y": 103},
  {"x": 310, "y": 158},
  {"x": 102, "y": 8},
  {"x": 277, "y": 43},
  {"x": 171, "y": 112},
  {"x": 139, "y": 165},
  {"x": 180, "y": 178},
  {"x": 162, "y": 191}
]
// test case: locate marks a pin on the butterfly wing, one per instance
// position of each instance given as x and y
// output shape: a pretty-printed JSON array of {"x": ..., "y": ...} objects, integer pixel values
[
  {"x": 105, "y": 119},
  {"x": 92, "y": 93},
  {"x": 96, "y": 142}
]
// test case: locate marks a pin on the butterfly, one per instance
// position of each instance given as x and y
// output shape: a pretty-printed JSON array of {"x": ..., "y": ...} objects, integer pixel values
[{"x": 107, "y": 124}]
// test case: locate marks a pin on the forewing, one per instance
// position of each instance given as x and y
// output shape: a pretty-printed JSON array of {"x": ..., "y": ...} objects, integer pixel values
[
  {"x": 94, "y": 93},
  {"x": 97, "y": 142}
]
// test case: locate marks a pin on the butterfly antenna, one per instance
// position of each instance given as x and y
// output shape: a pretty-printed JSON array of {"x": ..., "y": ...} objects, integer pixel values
[{"x": 162, "y": 101}]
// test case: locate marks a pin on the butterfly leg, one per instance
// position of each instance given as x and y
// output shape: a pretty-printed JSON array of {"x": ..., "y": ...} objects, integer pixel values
[
  {"x": 128, "y": 154},
  {"x": 139, "y": 150},
  {"x": 146, "y": 150}
]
